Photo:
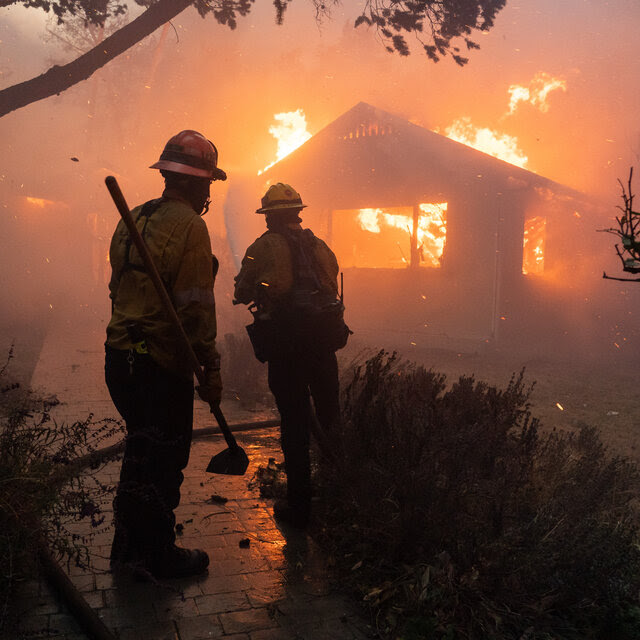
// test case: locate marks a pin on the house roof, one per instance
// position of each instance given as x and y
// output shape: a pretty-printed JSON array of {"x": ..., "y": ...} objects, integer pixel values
[{"x": 370, "y": 157}]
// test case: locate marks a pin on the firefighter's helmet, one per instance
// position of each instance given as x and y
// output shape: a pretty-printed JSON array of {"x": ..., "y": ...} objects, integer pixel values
[
  {"x": 280, "y": 197},
  {"x": 190, "y": 153}
]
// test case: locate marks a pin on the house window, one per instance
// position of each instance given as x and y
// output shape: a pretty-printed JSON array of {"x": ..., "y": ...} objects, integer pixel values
[
  {"x": 533, "y": 245},
  {"x": 390, "y": 238}
]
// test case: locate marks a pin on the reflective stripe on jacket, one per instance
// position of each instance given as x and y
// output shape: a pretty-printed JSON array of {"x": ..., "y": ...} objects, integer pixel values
[
  {"x": 266, "y": 270},
  {"x": 179, "y": 243}
]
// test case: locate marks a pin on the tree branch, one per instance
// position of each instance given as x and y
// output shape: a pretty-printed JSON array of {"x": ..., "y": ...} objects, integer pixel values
[
  {"x": 59, "y": 78},
  {"x": 606, "y": 277}
]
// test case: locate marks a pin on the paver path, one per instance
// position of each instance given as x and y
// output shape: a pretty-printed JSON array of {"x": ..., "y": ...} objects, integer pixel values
[{"x": 264, "y": 582}]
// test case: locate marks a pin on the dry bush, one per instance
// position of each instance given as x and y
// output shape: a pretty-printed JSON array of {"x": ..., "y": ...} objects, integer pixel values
[
  {"x": 44, "y": 492},
  {"x": 456, "y": 518}
]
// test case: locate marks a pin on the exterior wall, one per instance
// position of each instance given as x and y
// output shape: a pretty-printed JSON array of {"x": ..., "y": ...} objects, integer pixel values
[{"x": 460, "y": 299}]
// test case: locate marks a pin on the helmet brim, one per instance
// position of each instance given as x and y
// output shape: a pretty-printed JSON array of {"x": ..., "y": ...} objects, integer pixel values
[
  {"x": 176, "y": 167},
  {"x": 219, "y": 174},
  {"x": 280, "y": 208}
]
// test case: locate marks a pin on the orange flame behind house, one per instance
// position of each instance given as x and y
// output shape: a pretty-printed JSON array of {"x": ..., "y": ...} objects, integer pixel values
[
  {"x": 290, "y": 133},
  {"x": 498, "y": 145},
  {"x": 536, "y": 93},
  {"x": 533, "y": 245}
]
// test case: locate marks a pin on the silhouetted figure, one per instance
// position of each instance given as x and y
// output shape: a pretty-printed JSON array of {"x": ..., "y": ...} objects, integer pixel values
[
  {"x": 149, "y": 378},
  {"x": 290, "y": 278}
]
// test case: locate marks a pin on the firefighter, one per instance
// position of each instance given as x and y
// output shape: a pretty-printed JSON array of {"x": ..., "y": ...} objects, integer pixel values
[
  {"x": 149, "y": 379},
  {"x": 289, "y": 277}
]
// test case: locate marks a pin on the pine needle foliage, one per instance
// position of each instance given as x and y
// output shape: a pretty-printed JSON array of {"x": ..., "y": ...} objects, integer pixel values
[{"x": 454, "y": 516}]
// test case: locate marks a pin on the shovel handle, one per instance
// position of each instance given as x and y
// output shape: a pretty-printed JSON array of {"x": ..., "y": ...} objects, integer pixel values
[{"x": 152, "y": 272}]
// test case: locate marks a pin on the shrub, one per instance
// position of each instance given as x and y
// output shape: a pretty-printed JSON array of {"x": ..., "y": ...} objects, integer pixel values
[
  {"x": 462, "y": 520},
  {"x": 43, "y": 489}
]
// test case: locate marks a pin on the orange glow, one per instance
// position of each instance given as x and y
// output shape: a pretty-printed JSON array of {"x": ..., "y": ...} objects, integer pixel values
[
  {"x": 431, "y": 230},
  {"x": 498, "y": 145},
  {"x": 537, "y": 92},
  {"x": 394, "y": 228},
  {"x": 41, "y": 203},
  {"x": 391, "y": 249},
  {"x": 290, "y": 134},
  {"x": 533, "y": 245}
]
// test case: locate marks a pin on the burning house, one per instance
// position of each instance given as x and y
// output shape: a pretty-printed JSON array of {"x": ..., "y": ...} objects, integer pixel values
[{"x": 440, "y": 244}]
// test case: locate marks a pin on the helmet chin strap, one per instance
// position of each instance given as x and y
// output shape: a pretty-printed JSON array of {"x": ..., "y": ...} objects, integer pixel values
[
  {"x": 193, "y": 189},
  {"x": 199, "y": 196},
  {"x": 205, "y": 207}
]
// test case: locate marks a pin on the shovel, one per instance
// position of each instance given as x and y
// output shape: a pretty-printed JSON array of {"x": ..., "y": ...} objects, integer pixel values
[{"x": 232, "y": 461}]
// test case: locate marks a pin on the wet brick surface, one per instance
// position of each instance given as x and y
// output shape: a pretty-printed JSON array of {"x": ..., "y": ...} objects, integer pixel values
[{"x": 249, "y": 593}]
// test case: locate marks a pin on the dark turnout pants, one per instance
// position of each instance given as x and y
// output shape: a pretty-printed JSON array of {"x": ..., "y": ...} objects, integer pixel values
[
  {"x": 157, "y": 407},
  {"x": 294, "y": 380}
]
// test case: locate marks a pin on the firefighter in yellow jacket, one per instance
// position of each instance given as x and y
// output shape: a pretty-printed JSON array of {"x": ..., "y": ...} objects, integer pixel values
[
  {"x": 289, "y": 277},
  {"x": 149, "y": 378}
]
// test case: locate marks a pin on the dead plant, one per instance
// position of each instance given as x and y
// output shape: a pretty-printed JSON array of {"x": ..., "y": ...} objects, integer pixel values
[{"x": 457, "y": 518}]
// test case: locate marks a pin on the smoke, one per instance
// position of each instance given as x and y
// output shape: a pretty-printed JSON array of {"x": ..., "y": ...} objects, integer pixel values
[{"x": 196, "y": 74}]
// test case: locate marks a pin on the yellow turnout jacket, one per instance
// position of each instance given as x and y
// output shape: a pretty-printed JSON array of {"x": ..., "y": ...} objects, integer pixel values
[
  {"x": 179, "y": 243},
  {"x": 267, "y": 272}
]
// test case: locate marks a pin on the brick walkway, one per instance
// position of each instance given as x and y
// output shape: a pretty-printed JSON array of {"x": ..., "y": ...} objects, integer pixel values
[{"x": 264, "y": 582}]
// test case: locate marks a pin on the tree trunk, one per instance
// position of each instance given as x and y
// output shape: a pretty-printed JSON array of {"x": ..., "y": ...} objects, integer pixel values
[{"x": 59, "y": 78}]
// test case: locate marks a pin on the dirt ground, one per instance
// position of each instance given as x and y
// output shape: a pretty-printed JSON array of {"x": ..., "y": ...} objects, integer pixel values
[{"x": 600, "y": 393}]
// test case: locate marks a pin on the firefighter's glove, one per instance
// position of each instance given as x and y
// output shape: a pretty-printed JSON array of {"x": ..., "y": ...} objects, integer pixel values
[{"x": 211, "y": 389}]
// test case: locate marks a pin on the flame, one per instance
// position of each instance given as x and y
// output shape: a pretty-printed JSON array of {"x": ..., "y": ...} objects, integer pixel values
[
  {"x": 368, "y": 219},
  {"x": 536, "y": 93},
  {"x": 431, "y": 229},
  {"x": 533, "y": 245},
  {"x": 498, "y": 145},
  {"x": 290, "y": 134}
]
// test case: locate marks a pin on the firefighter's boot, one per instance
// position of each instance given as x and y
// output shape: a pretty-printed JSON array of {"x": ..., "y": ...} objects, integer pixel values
[{"x": 179, "y": 563}]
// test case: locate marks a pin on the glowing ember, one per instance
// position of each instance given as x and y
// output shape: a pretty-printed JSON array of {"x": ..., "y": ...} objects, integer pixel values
[
  {"x": 536, "y": 93},
  {"x": 291, "y": 132},
  {"x": 533, "y": 245},
  {"x": 498, "y": 145}
]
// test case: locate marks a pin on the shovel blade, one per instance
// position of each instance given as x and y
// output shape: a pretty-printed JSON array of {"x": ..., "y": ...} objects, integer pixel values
[{"x": 230, "y": 462}]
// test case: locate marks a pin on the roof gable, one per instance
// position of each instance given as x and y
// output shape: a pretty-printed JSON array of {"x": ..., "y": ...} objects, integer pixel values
[{"x": 370, "y": 153}]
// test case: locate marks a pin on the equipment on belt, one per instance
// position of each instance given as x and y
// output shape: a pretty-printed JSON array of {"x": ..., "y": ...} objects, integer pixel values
[
  {"x": 231, "y": 461},
  {"x": 190, "y": 153},
  {"x": 280, "y": 197}
]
